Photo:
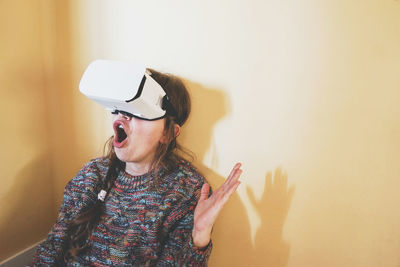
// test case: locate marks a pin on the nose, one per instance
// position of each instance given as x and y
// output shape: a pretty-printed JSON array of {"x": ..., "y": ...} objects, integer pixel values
[{"x": 123, "y": 116}]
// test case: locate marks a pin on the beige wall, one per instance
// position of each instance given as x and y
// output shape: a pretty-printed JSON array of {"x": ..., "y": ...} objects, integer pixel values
[
  {"x": 26, "y": 191},
  {"x": 304, "y": 93},
  {"x": 39, "y": 151}
]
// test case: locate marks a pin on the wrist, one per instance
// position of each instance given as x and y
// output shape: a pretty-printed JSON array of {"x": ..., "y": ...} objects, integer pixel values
[{"x": 201, "y": 238}]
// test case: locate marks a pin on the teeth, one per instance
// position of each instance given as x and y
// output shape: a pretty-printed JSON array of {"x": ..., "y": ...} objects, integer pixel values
[{"x": 120, "y": 126}]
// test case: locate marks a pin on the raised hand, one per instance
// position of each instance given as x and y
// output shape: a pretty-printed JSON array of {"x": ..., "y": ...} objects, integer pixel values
[{"x": 208, "y": 208}]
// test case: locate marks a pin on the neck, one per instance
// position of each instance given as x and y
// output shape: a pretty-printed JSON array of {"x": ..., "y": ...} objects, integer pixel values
[{"x": 136, "y": 169}]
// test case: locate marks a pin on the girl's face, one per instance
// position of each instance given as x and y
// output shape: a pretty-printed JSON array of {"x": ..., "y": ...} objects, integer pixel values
[{"x": 136, "y": 140}]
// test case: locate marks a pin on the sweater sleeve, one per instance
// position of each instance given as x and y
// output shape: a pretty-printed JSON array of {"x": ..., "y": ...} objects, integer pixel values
[
  {"x": 51, "y": 251},
  {"x": 179, "y": 249}
]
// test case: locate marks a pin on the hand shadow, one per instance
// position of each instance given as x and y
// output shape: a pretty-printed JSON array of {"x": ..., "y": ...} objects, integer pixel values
[
  {"x": 232, "y": 244},
  {"x": 231, "y": 233},
  {"x": 269, "y": 247}
]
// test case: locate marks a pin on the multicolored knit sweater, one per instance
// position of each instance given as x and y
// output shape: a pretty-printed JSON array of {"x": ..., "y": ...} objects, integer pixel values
[{"x": 140, "y": 226}]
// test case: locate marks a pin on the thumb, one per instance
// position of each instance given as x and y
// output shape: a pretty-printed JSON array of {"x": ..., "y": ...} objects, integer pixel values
[{"x": 205, "y": 189}]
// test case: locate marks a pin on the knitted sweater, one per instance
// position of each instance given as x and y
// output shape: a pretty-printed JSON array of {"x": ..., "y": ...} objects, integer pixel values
[{"x": 140, "y": 226}]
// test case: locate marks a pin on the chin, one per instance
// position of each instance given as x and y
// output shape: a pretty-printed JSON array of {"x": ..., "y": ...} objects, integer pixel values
[{"x": 120, "y": 155}]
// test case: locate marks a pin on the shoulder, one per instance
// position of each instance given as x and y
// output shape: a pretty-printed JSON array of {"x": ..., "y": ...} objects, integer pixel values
[
  {"x": 91, "y": 172},
  {"x": 86, "y": 182},
  {"x": 185, "y": 180},
  {"x": 94, "y": 168}
]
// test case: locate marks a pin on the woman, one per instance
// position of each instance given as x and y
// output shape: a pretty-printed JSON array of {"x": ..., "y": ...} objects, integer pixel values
[{"x": 142, "y": 204}]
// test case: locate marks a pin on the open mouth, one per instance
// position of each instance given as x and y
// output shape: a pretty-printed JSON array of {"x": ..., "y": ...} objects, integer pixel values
[{"x": 120, "y": 136}]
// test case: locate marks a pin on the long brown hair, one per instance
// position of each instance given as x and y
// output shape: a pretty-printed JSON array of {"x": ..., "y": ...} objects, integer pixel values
[{"x": 167, "y": 157}]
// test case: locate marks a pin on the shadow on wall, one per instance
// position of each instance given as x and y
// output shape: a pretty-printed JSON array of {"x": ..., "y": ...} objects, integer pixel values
[
  {"x": 232, "y": 234},
  {"x": 272, "y": 209},
  {"x": 26, "y": 209}
]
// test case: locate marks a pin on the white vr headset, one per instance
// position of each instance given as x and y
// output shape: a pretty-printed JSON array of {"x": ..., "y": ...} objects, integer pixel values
[{"x": 126, "y": 88}]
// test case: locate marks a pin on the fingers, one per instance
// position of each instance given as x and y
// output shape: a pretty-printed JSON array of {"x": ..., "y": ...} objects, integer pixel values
[
  {"x": 235, "y": 173},
  {"x": 232, "y": 179},
  {"x": 232, "y": 183},
  {"x": 205, "y": 189},
  {"x": 235, "y": 168},
  {"x": 222, "y": 194},
  {"x": 232, "y": 189}
]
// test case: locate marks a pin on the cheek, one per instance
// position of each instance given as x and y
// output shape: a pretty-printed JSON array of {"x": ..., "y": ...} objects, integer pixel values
[
  {"x": 148, "y": 132},
  {"x": 155, "y": 135}
]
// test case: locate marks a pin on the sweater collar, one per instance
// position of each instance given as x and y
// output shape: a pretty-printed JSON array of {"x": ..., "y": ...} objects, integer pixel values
[{"x": 126, "y": 181}]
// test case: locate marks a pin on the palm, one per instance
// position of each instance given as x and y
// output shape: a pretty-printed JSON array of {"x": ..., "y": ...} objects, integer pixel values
[{"x": 208, "y": 208}]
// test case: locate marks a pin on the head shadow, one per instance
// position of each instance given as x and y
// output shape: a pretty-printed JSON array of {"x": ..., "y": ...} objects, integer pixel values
[
  {"x": 232, "y": 242},
  {"x": 209, "y": 105}
]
